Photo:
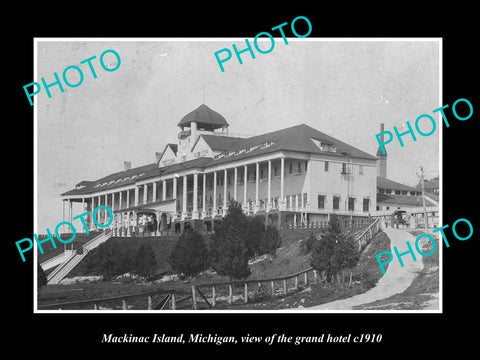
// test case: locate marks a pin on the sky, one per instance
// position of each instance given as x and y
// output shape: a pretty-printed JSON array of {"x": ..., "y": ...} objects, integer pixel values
[{"x": 342, "y": 88}]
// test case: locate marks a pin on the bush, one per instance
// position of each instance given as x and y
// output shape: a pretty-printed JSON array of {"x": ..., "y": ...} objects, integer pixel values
[
  {"x": 271, "y": 241},
  {"x": 229, "y": 251},
  {"x": 144, "y": 262},
  {"x": 335, "y": 252},
  {"x": 308, "y": 244},
  {"x": 190, "y": 255}
]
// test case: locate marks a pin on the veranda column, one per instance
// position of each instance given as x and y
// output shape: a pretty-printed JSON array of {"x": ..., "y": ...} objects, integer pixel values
[
  {"x": 235, "y": 183},
  {"x": 120, "y": 200},
  {"x": 128, "y": 200},
  {"x": 195, "y": 196},
  {"x": 105, "y": 210},
  {"x": 164, "y": 190},
  {"x": 204, "y": 195},
  {"x": 154, "y": 198},
  {"x": 282, "y": 182},
  {"x": 83, "y": 210},
  {"x": 99, "y": 213},
  {"x": 269, "y": 186},
  {"x": 137, "y": 189},
  {"x": 214, "y": 194},
  {"x": 224, "y": 192},
  {"x": 145, "y": 193},
  {"x": 245, "y": 205},
  {"x": 174, "y": 195},
  {"x": 257, "y": 170},
  {"x": 184, "y": 198}
]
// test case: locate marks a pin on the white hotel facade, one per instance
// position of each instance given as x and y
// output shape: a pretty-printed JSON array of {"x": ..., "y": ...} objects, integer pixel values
[{"x": 290, "y": 176}]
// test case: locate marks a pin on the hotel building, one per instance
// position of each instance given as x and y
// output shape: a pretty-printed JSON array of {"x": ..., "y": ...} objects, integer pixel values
[{"x": 289, "y": 176}]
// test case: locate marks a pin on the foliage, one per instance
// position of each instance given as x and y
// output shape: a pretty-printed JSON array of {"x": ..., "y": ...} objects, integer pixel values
[
  {"x": 228, "y": 249},
  {"x": 335, "y": 252},
  {"x": 308, "y": 244},
  {"x": 145, "y": 261},
  {"x": 270, "y": 241},
  {"x": 190, "y": 254},
  {"x": 254, "y": 236}
]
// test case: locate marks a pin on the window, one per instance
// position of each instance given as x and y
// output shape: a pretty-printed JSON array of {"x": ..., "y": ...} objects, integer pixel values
[
  {"x": 397, "y": 192},
  {"x": 360, "y": 169},
  {"x": 366, "y": 204},
  {"x": 306, "y": 165},
  {"x": 288, "y": 201},
  {"x": 290, "y": 169},
  {"x": 336, "y": 202},
  {"x": 299, "y": 167},
  {"x": 321, "y": 201},
  {"x": 305, "y": 198},
  {"x": 261, "y": 174},
  {"x": 388, "y": 191},
  {"x": 229, "y": 180},
  {"x": 275, "y": 171},
  {"x": 326, "y": 166},
  {"x": 299, "y": 200},
  {"x": 344, "y": 168},
  {"x": 351, "y": 204}
]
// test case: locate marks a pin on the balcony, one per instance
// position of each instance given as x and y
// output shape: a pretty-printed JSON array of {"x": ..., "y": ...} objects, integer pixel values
[{"x": 184, "y": 134}]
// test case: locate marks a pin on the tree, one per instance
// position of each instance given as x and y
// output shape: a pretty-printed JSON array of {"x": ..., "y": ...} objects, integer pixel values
[
  {"x": 254, "y": 236},
  {"x": 145, "y": 261},
  {"x": 41, "y": 277},
  {"x": 190, "y": 254},
  {"x": 228, "y": 248},
  {"x": 270, "y": 241},
  {"x": 335, "y": 251}
]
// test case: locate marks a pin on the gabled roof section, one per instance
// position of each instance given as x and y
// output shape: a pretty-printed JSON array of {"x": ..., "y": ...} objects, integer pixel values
[
  {"x": 297, "y": 138},
  {"x": 117, "y": 179},
  {"x": 404, "y": 200},
  {"x": 384, "y": 183},
  {"x": 204, "y": 117},
  {"x": 221, "y": 143}
]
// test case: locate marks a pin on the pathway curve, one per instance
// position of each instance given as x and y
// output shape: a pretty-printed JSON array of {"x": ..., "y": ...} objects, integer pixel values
[{"x": 396, "y": 279}]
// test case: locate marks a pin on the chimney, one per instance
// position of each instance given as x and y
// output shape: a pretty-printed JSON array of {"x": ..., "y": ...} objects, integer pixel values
[
  {"x": 158, "y": 156},
  {"x": 381, "y": 158},
  {"x": 127, "y": 165}
]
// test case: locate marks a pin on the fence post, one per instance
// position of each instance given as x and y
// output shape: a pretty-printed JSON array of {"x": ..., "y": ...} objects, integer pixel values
[
  {"x": 149, "y": 303},
  {"x": 230, "y": 294},
  {"x": 214, "y": 302},
  {"x": 285, "y": 287},
  {"x": 173, "y": 305},
  {"x": 272, "y": 285},
  {"x": 246, "y": 293},
  {"x": 124, "y": 305},
  {"x": 194, "y": 298}
]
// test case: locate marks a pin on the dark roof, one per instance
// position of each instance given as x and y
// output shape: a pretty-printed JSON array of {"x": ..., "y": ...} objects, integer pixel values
[
  {"x": 298, "y": 138},
  {"x": 204, "y": 117},
  {"x": 402, "y": 200},
  {"x": 295, "y": 138},
  {"x": 221, "y": 143},
  {"x": 384, "y": 183},
  {"x": 115, "y": 180}
]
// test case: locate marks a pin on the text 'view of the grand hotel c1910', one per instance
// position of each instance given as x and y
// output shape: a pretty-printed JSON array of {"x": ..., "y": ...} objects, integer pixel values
[{"x": 294, "y": 176}]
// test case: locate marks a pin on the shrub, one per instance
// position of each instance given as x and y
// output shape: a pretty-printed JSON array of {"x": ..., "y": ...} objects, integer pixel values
[{"x": 190, "y": 255}]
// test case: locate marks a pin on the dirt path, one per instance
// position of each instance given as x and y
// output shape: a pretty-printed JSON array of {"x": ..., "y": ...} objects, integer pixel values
[{"x": 396, "y": 279}]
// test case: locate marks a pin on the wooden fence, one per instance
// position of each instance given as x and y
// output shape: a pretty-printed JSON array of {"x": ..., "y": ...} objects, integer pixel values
[
  {"x": 250, "y": 290},
  {"x": 254, "y": 289}
]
